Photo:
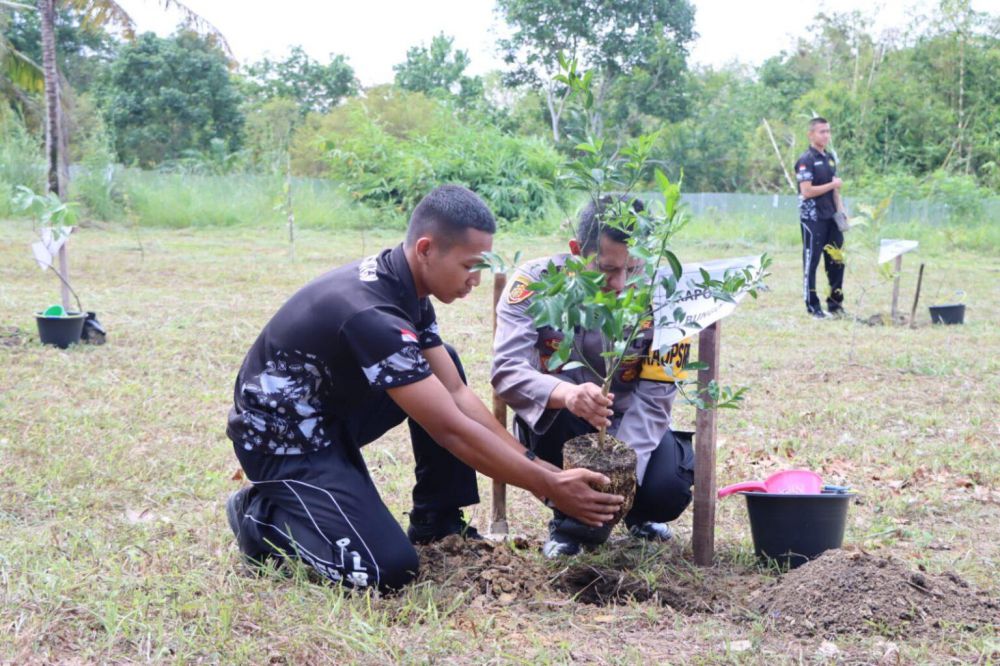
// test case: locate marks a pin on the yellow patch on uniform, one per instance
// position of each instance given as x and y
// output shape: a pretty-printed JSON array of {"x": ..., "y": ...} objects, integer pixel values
[
  {"x": 519, "y": 290},
  {"x": 630, "y": 371},
  {"x": 670, "y": 366}
]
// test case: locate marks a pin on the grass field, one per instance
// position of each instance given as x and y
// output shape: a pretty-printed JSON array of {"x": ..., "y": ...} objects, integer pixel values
[{"x": 113, "y": 540}]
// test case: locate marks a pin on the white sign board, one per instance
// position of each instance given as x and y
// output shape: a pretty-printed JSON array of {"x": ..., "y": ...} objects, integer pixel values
[
  {"x": 890, "y": 248},
  {"x": 698, "y": 305}
]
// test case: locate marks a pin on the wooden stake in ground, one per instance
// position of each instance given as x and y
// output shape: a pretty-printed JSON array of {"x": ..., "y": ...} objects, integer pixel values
[
  {"x": 703, "y": 538},
  {"x": 895, "y": 288},
  {"x": 64, "y": 272},
  {"x": 916, "y": 297},
  {"x": 498, "y": 522}
]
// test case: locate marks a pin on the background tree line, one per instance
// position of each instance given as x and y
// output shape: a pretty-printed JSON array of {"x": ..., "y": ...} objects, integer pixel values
[{"x": 915, "y": 111}]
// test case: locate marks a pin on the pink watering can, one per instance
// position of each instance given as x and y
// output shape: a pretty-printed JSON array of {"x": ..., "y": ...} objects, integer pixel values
[{"x": 787, "y": 482}]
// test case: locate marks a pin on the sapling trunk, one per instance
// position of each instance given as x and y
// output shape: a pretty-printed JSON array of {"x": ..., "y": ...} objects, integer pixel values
[
  {"x": 605, "y": 389},
  {"x": 66, "y": 286}
]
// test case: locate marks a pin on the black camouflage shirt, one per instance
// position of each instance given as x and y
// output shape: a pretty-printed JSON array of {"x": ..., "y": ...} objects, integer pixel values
[
  {"x": 328, "y": 353},
  {"x": 819, "y": 168}
]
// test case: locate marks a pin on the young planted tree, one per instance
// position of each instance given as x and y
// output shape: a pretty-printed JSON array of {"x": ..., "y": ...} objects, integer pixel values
[
  {"x": 53, "y": 221},
  {"x": 573, "y": 298}
]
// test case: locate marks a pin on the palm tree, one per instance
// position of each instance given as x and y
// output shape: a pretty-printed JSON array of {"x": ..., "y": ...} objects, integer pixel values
[
  {"x": 19, "y": 75},
  {"x": 97, "y": 13}
]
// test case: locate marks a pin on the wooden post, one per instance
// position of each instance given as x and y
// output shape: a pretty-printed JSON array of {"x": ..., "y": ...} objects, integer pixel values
[
  {"x": 498, "y": 522},
  {"x": 703, "y": 538},
  {"x": 64, "y": 271},
  {"x": 895, "y": 287}
]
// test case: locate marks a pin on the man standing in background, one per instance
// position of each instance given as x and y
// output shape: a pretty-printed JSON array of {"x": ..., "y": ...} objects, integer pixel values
[{"x": 819, "y": 204}]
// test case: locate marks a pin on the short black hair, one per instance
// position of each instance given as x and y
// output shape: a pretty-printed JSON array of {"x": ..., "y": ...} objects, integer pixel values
[
  {"x": 818, "y": 120},
  {"x": 448, "y": 211},
  {"x": 590, "y": 226}
]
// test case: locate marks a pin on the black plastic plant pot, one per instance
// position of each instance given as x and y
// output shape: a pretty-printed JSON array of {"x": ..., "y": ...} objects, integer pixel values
[
  {"x": 60, "y": 331},
  {"x": 793, "y": 529},
  {"x": 948, "y": 314}
]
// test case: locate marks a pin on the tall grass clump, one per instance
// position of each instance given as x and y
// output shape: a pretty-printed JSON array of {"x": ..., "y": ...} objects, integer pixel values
[
  {"x": 161, "y": 199},
  {"x": 175, "y": 200},
  {"x": 97, "y": 182},
  {"x": 21, "y": 160}
]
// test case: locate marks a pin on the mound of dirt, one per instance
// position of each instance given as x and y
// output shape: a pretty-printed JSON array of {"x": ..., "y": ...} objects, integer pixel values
[
  {"x": 854, "y": 592},
  {"x": 495, "y": 572}
]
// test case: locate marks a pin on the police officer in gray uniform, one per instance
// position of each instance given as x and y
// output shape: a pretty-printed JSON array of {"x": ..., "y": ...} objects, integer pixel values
[{"x": 553, "y": 407}]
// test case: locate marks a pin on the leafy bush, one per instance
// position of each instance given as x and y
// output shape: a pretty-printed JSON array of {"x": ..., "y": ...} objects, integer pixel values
[
  {"x": 960, "y": 196},
  {"x": 393, "y": 147}
]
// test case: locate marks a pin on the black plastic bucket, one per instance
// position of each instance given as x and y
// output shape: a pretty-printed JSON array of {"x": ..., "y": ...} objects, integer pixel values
[
  {"x": 793, "y": 529},
  {"x": 60, "y": 331},
  {"x": 948, "y": 314}
]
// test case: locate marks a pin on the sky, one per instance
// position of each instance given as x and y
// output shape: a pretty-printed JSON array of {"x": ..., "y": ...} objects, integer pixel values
[{"x": 376, "y": 34}]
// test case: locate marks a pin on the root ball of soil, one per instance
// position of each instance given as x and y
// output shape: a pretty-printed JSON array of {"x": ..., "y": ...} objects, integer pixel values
[{"x": 614, "y": 459}]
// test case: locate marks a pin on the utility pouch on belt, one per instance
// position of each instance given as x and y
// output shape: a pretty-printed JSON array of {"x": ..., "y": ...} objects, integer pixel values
[{"x": 840, "y": 217}]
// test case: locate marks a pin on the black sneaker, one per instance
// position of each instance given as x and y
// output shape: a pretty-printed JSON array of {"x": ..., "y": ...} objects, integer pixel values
[
  {"x": 560, "y": 545},
  {"x": 236, "y": 508},
  {"x": 819, "y": 314},
  {"x": 652, "y": 531},
  {"x": 429, "y": 526},
  {"x": 838, "y": 313}
]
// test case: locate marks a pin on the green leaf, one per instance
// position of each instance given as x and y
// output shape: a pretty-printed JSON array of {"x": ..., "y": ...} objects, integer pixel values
[{"x": 675, "y": 264}]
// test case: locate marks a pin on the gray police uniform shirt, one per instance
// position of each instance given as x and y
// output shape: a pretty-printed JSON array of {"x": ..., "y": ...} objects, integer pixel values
[{"x": 643, "y": 385}]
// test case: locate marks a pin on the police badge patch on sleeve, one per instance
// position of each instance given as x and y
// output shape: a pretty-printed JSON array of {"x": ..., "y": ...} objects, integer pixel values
[{"x": 519, "y": 291}]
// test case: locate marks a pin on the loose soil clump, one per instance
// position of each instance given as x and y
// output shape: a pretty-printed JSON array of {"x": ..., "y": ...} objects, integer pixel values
[
  {"x": 855, "y": 592},
  {"x": 493, "y": 572},
  {"x": 614, "y": 459},
  {"x": 12, "y": 336}
]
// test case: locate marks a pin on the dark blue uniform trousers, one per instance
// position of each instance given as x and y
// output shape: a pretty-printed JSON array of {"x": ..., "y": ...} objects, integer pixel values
[{"x": 323, "y": 508}]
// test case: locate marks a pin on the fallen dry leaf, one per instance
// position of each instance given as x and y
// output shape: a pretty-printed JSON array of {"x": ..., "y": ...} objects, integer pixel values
[{"x": 137, "y": 517}]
